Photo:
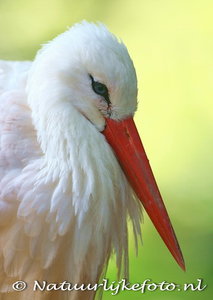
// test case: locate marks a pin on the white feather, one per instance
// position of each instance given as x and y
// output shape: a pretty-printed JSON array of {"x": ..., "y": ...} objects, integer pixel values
[{"x": 64, "y": 199}]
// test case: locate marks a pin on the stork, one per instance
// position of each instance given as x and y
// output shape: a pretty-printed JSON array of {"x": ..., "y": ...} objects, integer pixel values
[{"x": 72, "y": 166}]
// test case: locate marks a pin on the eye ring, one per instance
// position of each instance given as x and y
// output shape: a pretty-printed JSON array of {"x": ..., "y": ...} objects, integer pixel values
[{"x": 100, "y": 89}]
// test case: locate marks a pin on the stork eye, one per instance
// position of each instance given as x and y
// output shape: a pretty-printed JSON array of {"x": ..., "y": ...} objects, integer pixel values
[{"x": 100, "y": 89}]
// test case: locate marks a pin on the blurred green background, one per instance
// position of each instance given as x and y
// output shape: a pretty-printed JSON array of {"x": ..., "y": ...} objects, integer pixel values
[{"x": 171, "y": 44}]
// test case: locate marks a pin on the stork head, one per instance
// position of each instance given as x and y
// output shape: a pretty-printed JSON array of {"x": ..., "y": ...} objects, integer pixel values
[
  {"x": 104, "y": 72},
  {"x": 89, "y": 69}
]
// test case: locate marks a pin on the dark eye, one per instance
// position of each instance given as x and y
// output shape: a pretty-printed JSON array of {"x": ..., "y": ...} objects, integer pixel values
[{"x": 100, "y": 89}]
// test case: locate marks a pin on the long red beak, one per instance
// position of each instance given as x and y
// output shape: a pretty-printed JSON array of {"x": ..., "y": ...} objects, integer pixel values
[{"x": 126, "y": 143}]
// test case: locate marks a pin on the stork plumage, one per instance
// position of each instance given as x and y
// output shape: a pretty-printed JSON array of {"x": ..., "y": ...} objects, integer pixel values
[{"x": 72, "y": 166}]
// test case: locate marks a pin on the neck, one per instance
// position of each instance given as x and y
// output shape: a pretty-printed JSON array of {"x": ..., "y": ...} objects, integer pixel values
[{"x": 89, "y": 184}]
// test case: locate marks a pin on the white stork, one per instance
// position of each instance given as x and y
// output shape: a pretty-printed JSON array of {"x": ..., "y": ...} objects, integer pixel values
[{"x": 72, "y": 166}]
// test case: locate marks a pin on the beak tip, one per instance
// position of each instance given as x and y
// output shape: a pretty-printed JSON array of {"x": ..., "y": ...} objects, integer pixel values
[
  {"x": 181, "y": 262},
  {"x": 178, "y": 256},
  {"x": 182, "y": 265}
]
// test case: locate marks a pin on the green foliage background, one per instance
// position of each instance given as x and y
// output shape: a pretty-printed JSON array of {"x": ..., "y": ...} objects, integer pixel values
[{"x": 171, "y": 44}]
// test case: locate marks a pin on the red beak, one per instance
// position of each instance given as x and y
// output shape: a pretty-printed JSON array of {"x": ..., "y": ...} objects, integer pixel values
[{"x": 126, "y": 143}]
